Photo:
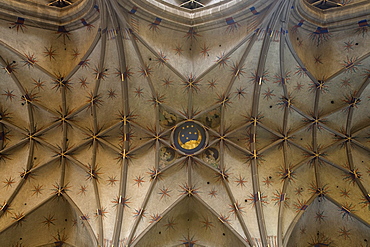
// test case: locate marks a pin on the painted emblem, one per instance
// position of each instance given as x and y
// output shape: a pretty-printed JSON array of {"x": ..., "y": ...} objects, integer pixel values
[{"x": 189, "y": 137}]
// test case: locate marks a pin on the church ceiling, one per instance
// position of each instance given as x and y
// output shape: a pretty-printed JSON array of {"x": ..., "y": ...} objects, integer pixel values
[{"x": 128, "y": 127}]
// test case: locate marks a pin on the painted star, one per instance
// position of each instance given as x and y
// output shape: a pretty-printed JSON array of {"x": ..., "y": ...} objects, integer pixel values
[
  {"x": 224, "y": 219},
  {"x": 139, "y": 92},
  {"x": 157, "y": 99},
  {"x": 145, "y": 71},
  {"x": 346, "y": 210},
  {"x": 262, "y": 78},
  {"x": 345, "y": 233},
  {"x": 192, "y": 34},
  {"x": 240, "y": 92},
  {"x": 320, "y": 216},
  {"x": 112, "y": 93},
  {"x": 222, "y": 60},
  {"x": 237, "y": 70},
  {"x": 139, "y": 212},
  {"x": 188, "y": 190},
  {"x": 240, "y": 181},
  {"x": 128, "y": 73},
  {"x": 167, "y": 82},
  {"x": 213, "y": 193},
  {"x": 351, "y": 65},
  {"x": 346, "y": 82},
  {"x": 75, "y": 53},
  {"x": 223, "y": 100},
  {"x": 344, "y": 193},
  {"x": 189, "y": 242},
  {"x": 236, "y": 207},
  {"x": 280, "y": 198},
  {"x": 282, "y": 79},
  {"x": 93, "y": 173},
  {"x": 178, "y": 50},
  {"x": 212, "y": 84},
  {"x": 94, "y": 100},
  {"x": 268, "y": 94},
  {"x": 298, "y": 87},
  {"x": 49, "y": 220},
  {"x": 254, "y": 198},
  {"x": 18, "y": 25},
  {"x": 170, "y": 224},
  {"x": 192, "y": 83},
  {"x": 267, "y": 181},
  {"x": 84, "y": 63},
  {"x": 300, "y": 205},
  {"x": 38, "y": 84},
  {"x": 318, "y": 59},
  {"x": 83, "y": 82},
  {"x": 37, "y": 189},
  {"x": 164, "y": 192},
  {"x": 74, "y": 222},
  {"x": 100, "y": 73},
  {"x": 298, "y": 191},
  {"x": 112, "y": 180},
  {"x": 83, "y": 189},
  {"x": 30, "y": 60},
  {"x": 9, "y": 94},
  {"x": 60, "y": 190},
  {"x": 8, "y": 182},
  {"x": 348, "y": 45},
  {"x": 204, "y": 50},
  {"x": 300, "y": 71},
  {"x": 121, "y": 200},
  {"x": 155, "y": 218},
  {"x": 60, "y": 83},
  {"x": 207, "y": 224},
  {"x": 19, "y": 218},
  {"x": 85, "y": 217},
  {"x": 161, "y": 59},
  {"x": 139, "y": 180},
  {"x": 60, "y": 237},
  {"x": 50, "y": 52},
  {"x": 101, "y": 212}
]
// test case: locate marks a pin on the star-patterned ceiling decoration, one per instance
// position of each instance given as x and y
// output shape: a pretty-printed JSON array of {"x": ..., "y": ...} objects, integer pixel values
[{"x": 128, "y": 128}]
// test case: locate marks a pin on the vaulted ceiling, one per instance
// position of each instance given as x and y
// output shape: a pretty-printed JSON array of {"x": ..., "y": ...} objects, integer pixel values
[{"x": 153, "y": 123}]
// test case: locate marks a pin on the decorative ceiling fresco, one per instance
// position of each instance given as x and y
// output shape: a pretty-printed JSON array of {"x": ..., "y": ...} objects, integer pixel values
[{"x": 237, "y": 123}]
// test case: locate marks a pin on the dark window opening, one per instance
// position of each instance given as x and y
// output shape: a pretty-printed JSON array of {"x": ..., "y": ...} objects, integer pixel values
[
  {"x": 325, "y": 4},
  {"x": 60, "y": 3},
  {"x": 191, "y": 4}
]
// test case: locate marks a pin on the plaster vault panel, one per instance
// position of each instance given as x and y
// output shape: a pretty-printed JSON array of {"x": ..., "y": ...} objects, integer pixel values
[{"x": 94, "y": 149}]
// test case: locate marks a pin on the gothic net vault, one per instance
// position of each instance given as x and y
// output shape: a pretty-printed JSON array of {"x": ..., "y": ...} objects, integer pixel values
[{"x": 184, "y": 123}]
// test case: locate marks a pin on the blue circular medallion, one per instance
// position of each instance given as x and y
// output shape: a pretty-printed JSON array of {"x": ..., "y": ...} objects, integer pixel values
[{"x": 189, "y": 137}]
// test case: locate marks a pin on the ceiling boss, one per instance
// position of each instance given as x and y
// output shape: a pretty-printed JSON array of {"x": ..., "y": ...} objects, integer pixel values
[{"x": 189, "y": 137}]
